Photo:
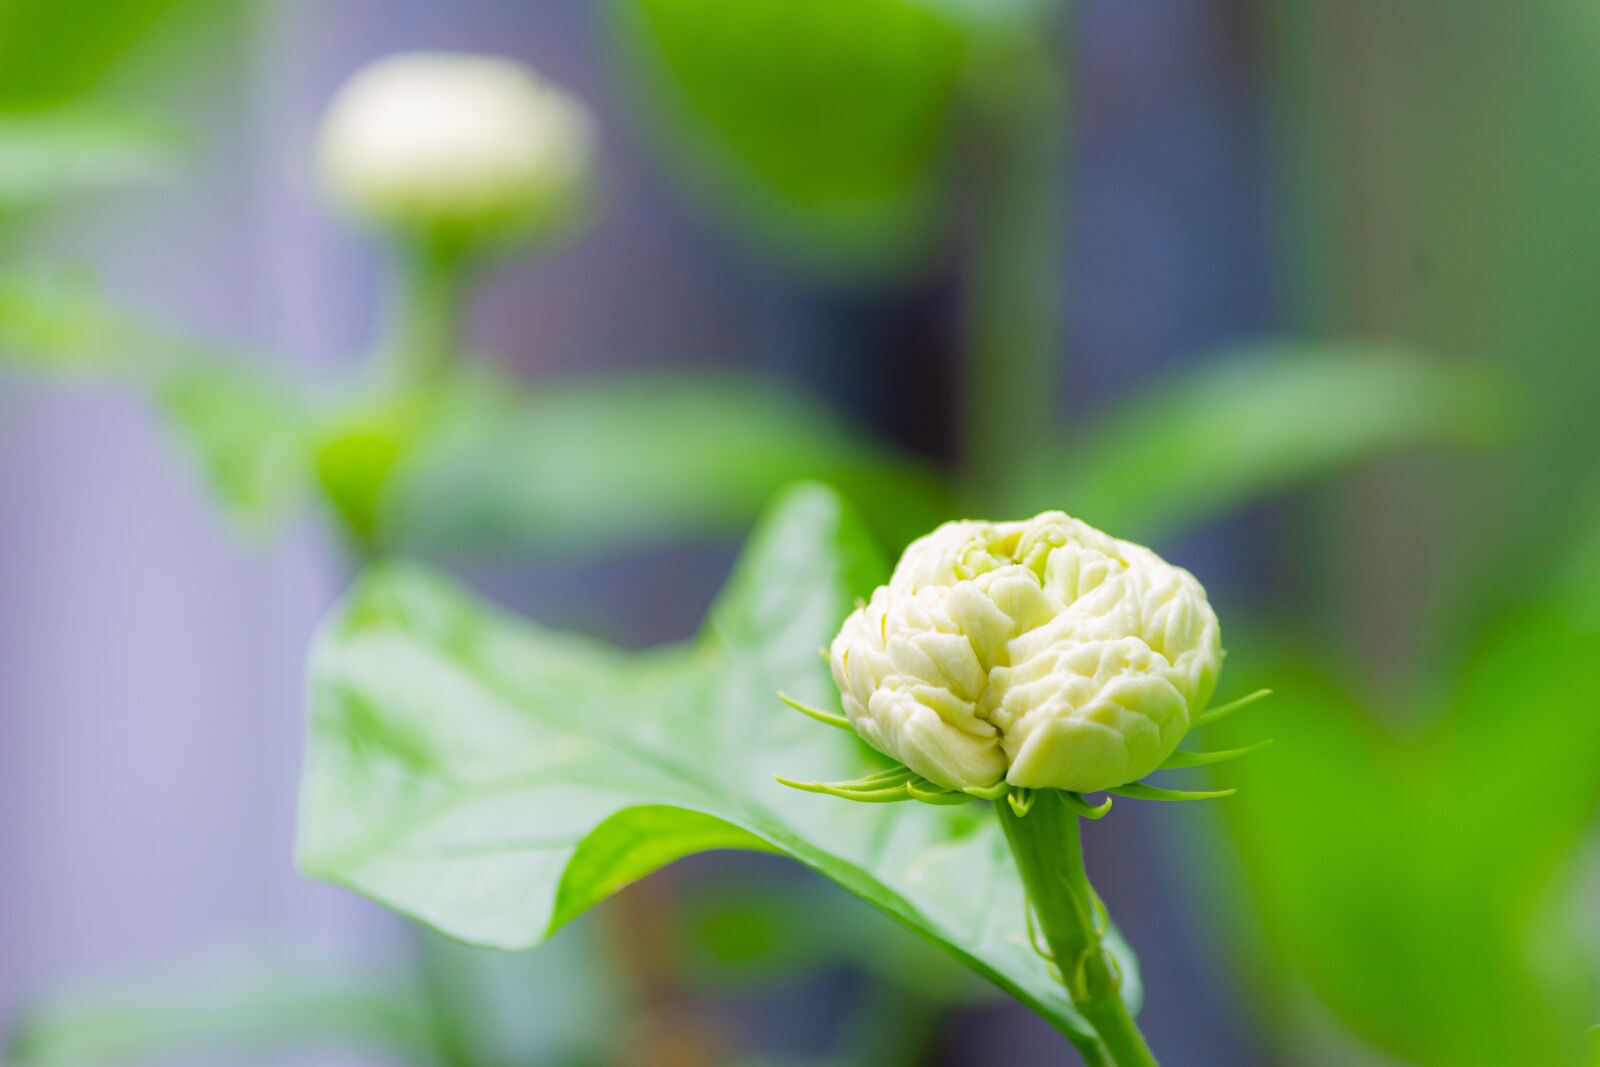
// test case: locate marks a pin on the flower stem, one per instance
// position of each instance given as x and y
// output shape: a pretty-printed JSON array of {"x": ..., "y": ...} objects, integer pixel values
[
  {"x": 1072, "y": 921},
  {"x": 427, "y": 314}
]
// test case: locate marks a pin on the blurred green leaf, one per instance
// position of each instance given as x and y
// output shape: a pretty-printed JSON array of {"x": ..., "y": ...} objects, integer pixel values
[
  {"x": 62, "y": 324},
  {"x": 1408, "y": 876},
  {"x": 221, "y": 1008},
  {"x": 738, "y": 936},
  {"x": 483, "y": 463},
  {"x": 246, "y": 427},
  {"x": 358, "y": 448},
  {"x": 1255, "y": 422},
  {"x": 61, "y": 154},
  {"x": 50, "y": 51},
  {"x": 822, "y": 125},
  {"x": 494, "y": 780},
  {"x": 597, "y": 463}
]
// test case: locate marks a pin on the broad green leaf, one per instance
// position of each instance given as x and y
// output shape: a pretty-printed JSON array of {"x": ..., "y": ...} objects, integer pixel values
[
  {"x": 61, "y": 154},
  {"x": 1408, "y": 876},
  {"x": 820, "y": 125},
  {"x": 224, "y": 1008},
  {"x": 493, "y": 779},
  {"x": 50, "y": 51},
  {"x": 1252, "y": 423},
  {"x": 601, "y": 462},
  {"x": 246, "y": 427}
]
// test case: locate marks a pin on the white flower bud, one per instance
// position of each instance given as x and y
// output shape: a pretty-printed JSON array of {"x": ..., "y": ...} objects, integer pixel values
[
  {"x": 1044, "y": 653},
  {"x": 458, "y": 145}
]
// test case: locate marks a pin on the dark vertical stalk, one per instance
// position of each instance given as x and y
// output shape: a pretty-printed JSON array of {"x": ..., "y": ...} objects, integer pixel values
[{"x": 1013, "y": 320}]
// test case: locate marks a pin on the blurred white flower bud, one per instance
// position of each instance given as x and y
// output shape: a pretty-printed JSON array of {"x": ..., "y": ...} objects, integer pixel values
[
  {"x": 460, "y": 146},
  {"x": 1044, "y": 653}
]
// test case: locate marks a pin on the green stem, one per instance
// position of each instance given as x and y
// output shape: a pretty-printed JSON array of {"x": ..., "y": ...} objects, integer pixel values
[
  {"x": 1072, "y": 920},
  {"x": 1013, "y": 327},
  {"x": 428, "y": 311}
]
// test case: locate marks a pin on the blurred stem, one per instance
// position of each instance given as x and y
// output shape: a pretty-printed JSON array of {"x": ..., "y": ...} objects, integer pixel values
[
  {"x": 428, "y": 310},
  {"x": 1072, "y": 921},
  {"x": 1016, "y": 267}
]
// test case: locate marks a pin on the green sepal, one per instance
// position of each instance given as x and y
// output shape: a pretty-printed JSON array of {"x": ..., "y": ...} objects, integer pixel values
[
  {"x": 1083, "y": 808},
  {"x": 1209, "y": 717},
  {"x": 885, "y": 787},
  {"x": 838, "y": 722},
  {"x": 1181, "y": 758},
  {"x": 929, "y": 793},
  {"x": 1021, "y": 801},
  {"x": 988, "y": 792},
  {"x": 880, "y": 796},
  {"x": 1141, "y": 791}
]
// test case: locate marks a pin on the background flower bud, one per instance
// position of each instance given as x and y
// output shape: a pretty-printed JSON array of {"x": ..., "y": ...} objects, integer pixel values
[
  {"x": 1044, "y": 652},
  {"x": 454, "y": 145}
]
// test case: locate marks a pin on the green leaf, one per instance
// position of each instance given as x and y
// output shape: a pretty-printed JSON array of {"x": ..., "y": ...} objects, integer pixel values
[
  {"x": 246, "y": 427},
  {"x": 1252, "y": 423},
  {"x": 51, "y": 51},
  {"x": 62, "y": 324},
  {"x": 597, "y": 463},
  {"x": 494, "y": 779},
  {"x": 66, "y": 153},
  {"x": 1450, "y": 845},
  {"x": 224, "y": 1008},
  {"x": 820, "y": 126},
  {"x": 247, "y": 430}
]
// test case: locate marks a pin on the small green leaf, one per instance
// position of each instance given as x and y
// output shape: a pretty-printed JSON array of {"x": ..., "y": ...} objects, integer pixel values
[
  {"x": 1253, "y": 423},
  {"x": 493, "y": 779}
]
